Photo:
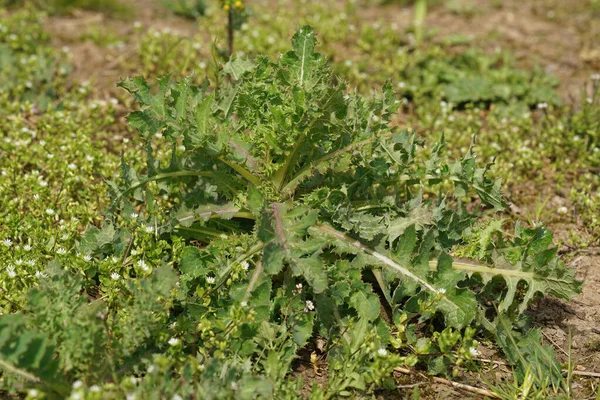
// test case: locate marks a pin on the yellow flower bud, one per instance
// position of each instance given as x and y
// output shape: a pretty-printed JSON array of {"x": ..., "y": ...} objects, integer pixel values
[{"x": 226, "y": 7}]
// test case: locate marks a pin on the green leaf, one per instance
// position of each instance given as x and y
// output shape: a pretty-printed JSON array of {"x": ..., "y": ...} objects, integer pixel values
[
  {"x": 237, "y": 67},
  {"x": 366, "y": 304}
]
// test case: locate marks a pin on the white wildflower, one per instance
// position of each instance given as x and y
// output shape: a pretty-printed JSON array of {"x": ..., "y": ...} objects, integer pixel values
[
  {"x": 94, "y": 388},
  {"x": 473, "y": 351},
  {"x": 50, "y": 211},
  {"x": 41, "y": 274},
  {"x": 19, "y": 262},
  {"x": 87, "y": 258},
  {"x": 10, "y": 270},
  {"x": 299, "y": 286},
  {"x": 133, "y": 380},
  {"x": 562, "y": 210},
  {"x": 595, "y": 77},
  {"x": 541, "y": 106},
  {"x": 210, "y": 280},
  {"x": 50, "y": 155},
  {"x": 130, "y": 396},
  {"x": 151, "y": 368},
  {"x": 173, "y": 341},
  {"x": 33, "y": 392},
  {"x": 43, "y": 183},
  {"x": 442, "y": 291},
  {"x": 27, "y": 247},
  {"x": 115, "y": 276},
  {"x": 382, "y": 352},
  {"x": 31, "y": 263},
  {"x": 309, "y": 306},
  {"x": 72, "y": 166},
  {"x": 89, "y": 158},
  {"x": 36, "y": 196},
  {"x": 245, "y": 265},
  {"x": 244, "y": 303},
  {"x": 149, "y": 229},
  {"x": 142, "y": 264},
  {"x": 61, "y": 250},
  {"x": 7, "y": 242},
  {"x": 77, "y": 384},
  {"x": 76, "y": 396},
  {"x": 177, "y": 397},
  {"x": 134, "y": 215}
]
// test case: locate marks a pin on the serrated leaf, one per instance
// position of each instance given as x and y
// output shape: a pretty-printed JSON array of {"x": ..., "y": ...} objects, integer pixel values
[
  {"x": 237, "y": 67},
  {"x": 366, "y": 304}
]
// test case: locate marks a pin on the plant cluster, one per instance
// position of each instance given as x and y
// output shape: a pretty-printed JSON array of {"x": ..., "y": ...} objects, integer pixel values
[{"x": 273, "y": 218}]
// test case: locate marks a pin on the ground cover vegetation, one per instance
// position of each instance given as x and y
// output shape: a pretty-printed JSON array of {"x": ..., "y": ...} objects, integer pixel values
[{"x": 252, "y": 213}]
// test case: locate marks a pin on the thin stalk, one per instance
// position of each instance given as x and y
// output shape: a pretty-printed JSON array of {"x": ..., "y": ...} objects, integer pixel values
[{"x": 230, "y": 31}]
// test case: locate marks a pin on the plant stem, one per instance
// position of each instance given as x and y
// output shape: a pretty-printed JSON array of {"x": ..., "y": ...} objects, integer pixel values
[{"x": 230, "y": 31}]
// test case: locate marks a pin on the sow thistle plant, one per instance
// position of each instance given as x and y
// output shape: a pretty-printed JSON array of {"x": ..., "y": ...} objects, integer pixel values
[
  {"x": 288, "y": 209},
  {"x": 285, "y": 171}
]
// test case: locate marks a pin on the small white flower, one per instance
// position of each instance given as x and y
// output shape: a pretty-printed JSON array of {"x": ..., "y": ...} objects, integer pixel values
[
  {"x": 7, "y": 242},
  {"x": 72, "y": 166},
  {"x": 10, "y": 270},
  {"x": 76, "y": 396},
  {"x": 181, "y": 148},
  {"x": 61, "y": 250},
  {"x": 442, "y": 291},
  {"x": 50, "y": 155},
  {"x": 234, "y": 386},
  {"x": 309, "y": 306},
  {"x": 245, "y": 265},
  {"x": 130, "y": 396},
  {"x": 173, "y": 341},
  {"x": 210, "y": 280},
  {"x": 142, "y": 264},
  {"x": 202, "y": 65},
  {"x": 151, "y": 368},
  {"x": 589, "y": 100},
  {"x": 137, "y": 24},
  {"x": 43, "y": 184},
  {"x": 299, "y": 286},
  {"x": 19, "y": 262},
  {"x": 77, "y": 384},
  {"x": 473, "y": 351},
  {"x": 40, "y": 274},
  {"x": 177, "y": 397},
  {"x": 133, "y": 380},
  {"x": 33, "y": 392},
  {"x": 542, "y": 106},
  {"x": 31, "y": 263},
  {"x": 562, "y": 210},
  {"x": 27, "y": 247},
  {"x": 50, "y": 211},
  {"x": 382, "y": 352},
  {"x": 595, "y": 77},
  {"x": 87, "y": 258},
  {"x": 134, "y": 252},
  {"x": 36, "y": 196},
  {"x": 134, "y": 215},
  {"x": 244, "y": 303},
  {"x": 94, "y": 388},
  {"x": 149, "y": 229},
  {"x": 173, "y": 325},
  {"x": 89, "y": 158},
  {"x": 115, "y": 276}
]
